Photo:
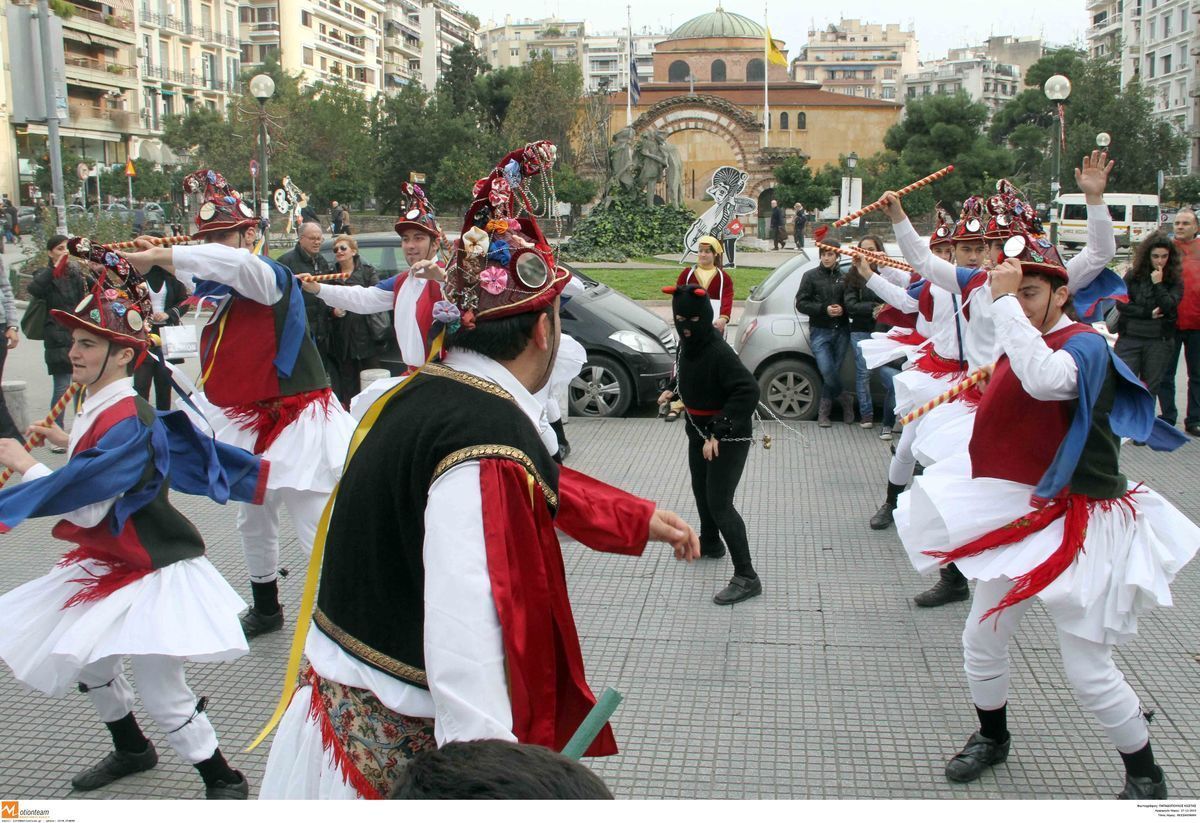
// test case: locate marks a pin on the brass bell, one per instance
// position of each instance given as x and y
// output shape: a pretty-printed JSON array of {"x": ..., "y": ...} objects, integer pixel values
[{"x": 766, "y": 441}]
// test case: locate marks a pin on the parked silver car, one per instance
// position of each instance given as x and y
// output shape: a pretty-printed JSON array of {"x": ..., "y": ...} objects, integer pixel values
[{"x": 773, "y": 343}]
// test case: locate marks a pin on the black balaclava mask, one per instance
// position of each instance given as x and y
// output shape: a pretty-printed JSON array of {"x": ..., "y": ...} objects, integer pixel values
[{"x": 688, "y": 302}]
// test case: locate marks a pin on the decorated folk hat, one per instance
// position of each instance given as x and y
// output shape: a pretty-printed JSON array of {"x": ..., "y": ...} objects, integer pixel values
[
  {"x": 502, "y": 264},
  {"x": 117, "y": 305},
  {"x": 943, "y": 232},
  {"x": 222, "y": 209},
  {"x": 1008, "y": 212},
  {"x": 1036, "y": 254},
  {"x": 970, "y": 223},
  {"x": 417, "y": 213}
]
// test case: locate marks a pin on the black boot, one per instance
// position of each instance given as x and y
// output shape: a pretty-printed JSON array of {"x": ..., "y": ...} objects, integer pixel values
[
  {"x": 980, "y": 753},
  {"x": 1144, "y": 788},
  {"x": 950, "y": 588},
  {"x": 883, "y": 518},
  {"x": 564, "y": 448},
  {"x": 114, "y": 766}
]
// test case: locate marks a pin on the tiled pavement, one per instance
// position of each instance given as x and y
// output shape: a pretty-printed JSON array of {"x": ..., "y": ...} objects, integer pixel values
[{"x": 831, "y": 685}]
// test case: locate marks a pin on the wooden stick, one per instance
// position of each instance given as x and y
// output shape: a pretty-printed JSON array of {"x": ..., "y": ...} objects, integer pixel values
[
  {"x": 592, "y": 724},
  {"x": 158, "y": 241},
  {"x": 909, "y": 189},
  {"x": 949, "y": 394},
  {"x": 321, "y": 278},
  {"x": 37, "y": 439},
  {"x": 869, "y": 256}
]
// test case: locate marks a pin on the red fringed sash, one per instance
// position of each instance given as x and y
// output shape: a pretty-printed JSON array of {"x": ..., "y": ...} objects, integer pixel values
[
  {"x": 1075, "y": 508},
  {"x": 911, "y": 337},
  {"x": 268, "y": 418},
  {"x": 933, "y": 363},
  {"x": 116, "y": 573}
]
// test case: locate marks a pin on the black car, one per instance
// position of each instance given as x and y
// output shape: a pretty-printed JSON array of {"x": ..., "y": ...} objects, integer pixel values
[{"x": 631, "y": 351}]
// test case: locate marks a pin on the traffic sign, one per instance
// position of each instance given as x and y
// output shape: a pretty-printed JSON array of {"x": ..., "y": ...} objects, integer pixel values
[
  {"x": 254, "y": 168},
  {"x": 130, "y": 171},
  {"x": 84, "y": 171},
  {"x": 416, "y": 177}
]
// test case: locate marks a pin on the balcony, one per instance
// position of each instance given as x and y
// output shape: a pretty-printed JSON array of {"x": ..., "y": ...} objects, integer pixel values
[
  {"x": 341, "y": 46},
  {"x": 1111, "y": 23},
  {"x": 265, "y": 30},
  {"x": 86, "y": 116},
  {"x": 403, "y": 44},
  {"x": 99, "y": 72},
  {"x": 334, "y": 11},
  {"x": 113, "y": 26}
]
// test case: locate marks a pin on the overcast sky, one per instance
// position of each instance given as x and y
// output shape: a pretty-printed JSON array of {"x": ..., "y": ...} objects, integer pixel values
[{"x": 939, "y": 24}]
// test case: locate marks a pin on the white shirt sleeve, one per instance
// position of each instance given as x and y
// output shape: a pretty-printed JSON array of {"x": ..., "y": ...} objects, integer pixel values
[
  {"x": 1044, "y": 373},
  {"x": 916, "y": 251},
  {"x": 236, "y": 268},
  {"x": 895, "y": 276},
  {"x": 1099, "y": 251},
  {"x": 892, "y": 294},
  {"x": 356, "y": 299},
  {"x": 464, "y": 647},
  {"x": 85, "y": 516}
]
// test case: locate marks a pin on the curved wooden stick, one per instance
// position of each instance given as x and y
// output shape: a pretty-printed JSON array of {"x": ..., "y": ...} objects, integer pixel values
[
  {"x": 909, "y": 189},
  {"x": 37, "y": 439},
  {"x": 869, "y": 256},
  {"x": 158, "y": 241},
  {"x": 949, "y": 394},
  {"x": 321, "y": 278}
]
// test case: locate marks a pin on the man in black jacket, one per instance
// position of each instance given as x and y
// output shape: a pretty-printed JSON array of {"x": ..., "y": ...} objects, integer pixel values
[
  {"x": 306, "y": 258},
  {"x": 777, "y": 241},
  {"x": 822, "y": 296},
  {"x": 862, "y": 305}
]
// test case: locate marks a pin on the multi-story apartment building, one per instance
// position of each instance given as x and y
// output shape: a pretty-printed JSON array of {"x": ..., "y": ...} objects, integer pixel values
[
  {"x": 606, "y": 58},
  {"x": 1155, "y": 42},
  {"x": 1022, "y": 52},
  {"x": 401, "y": 43},
  {"x": 444, "y": 27},
  {"x": 330, "y": 40},
  {"x": 861, "y": 59},
  {"x": 984, "y": 80},
  {"x": 514, "y": 43}
]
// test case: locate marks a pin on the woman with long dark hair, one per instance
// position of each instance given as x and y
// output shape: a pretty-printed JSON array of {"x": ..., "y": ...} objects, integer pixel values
[
  {"x": 1146, "y": 324},
  {"x": 357, "y": 340}
]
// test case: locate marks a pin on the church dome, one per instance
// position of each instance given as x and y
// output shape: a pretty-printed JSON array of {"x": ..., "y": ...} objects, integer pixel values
[{"x": 719, "y": 23}]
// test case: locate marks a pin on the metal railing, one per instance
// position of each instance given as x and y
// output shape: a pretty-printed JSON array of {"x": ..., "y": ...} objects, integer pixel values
[
  {"x": 94, "y": 64},
  {"x": 117, "y": 21},
  {"x": 120, "y": 119},
  {"x": 335, "y": 41},
  {"x": 206, "y": 33}
]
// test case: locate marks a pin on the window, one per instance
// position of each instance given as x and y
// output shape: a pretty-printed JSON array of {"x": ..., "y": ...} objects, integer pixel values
[
  {"x": 1150, "y": 65},
  {"x": 755, "y": 70},
  {"x": 322, "y": 64},
  {"x": 783, "y": 121},
  {"x": 306, "y": 19},
  {"x": 718, "y": 71},
  {"x": 810, "y": 73},
  {"x": 1153, "y": 28},
  {"x": 678, "y": 72},
  {"x": 308, "y": 56},
  {"x": 207, "y": 74},
  {"x": 1166, "y": 63},
  {"x": 889, "y": 74},
  {"x": 911, "y": 92},
  {"x": 889, "y": 93},
  {"x": 1183, "y": 26},
  {"x": 801, "y": 120},
  {"x": 1182, "y": 58},
  {"x": 514, "y": 52},
  {"x": 1145, "y": 214},
  {"x": 1167, "y": 24},
  {"x": 246, "y": 14},
  {"x": 247, "y": 53}
]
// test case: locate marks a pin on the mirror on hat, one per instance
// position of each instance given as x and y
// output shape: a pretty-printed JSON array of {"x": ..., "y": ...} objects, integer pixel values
[
  {"x": 207, "y": 211},
  {"x": 531, "y": 269},
  {"x": 246, "y": 210},
  {"x": 1013, "y": 246},
  {"x": 973, "y": 225}
]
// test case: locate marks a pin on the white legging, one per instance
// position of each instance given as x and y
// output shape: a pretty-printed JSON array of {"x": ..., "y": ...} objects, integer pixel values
[
  {"x": 166, "y": 696},
  {"x": 259, "y": 528},
  {"x": 904, "y": 462},
  {"x": 1098, "y": 684}
]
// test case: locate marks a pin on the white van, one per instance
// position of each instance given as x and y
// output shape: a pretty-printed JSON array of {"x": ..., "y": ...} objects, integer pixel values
[{"x": 1134, "y": 216}]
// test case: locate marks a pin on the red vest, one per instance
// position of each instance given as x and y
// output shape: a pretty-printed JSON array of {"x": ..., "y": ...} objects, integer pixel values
[{"x": 1016, "y": 436}]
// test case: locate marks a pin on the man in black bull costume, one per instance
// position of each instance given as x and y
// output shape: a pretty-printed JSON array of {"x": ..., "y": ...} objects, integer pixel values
[{"x": 719, "y": 396}]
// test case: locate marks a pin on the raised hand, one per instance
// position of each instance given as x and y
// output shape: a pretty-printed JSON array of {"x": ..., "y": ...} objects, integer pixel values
[{"x": 1092, "y": 177}]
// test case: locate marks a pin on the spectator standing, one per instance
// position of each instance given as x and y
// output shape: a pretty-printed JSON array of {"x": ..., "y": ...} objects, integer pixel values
[
  {"x": 1146, "y": 324},
  {"x": 11, "y": 227},
  {"x": 306, "y": 258},
  {"x": 822, "y": 296},
  {"x": 337, "y": 218},
  {"x": 9, "y": 320},
  {"x": 862, "y": 306},
  {"x": 61, "y": 290},
  {"x": 168, "y": 301},
  {"x": 1187, "y": 328},
  {"x": 356, "y": 340},
  {"x": 777, "y": 241},
  {"x": 799, "y": 221},
  {"x": 708, "y": 275}
]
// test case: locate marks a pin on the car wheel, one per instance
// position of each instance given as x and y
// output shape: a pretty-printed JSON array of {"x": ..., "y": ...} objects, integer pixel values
[
  {"x": 791, "y": 389},
  {"x": 602, "y": 388}
]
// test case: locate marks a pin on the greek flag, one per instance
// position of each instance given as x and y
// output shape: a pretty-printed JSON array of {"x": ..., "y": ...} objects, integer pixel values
[{"x": 635, "y": 88}]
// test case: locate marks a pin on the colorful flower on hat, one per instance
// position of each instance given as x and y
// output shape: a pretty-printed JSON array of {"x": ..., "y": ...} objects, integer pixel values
[
  {"x": 111, "y": 294},
  {"x": 500, "y": 226},
  {"x": 500, "y": 194},
  {"x": 475, "y": 241},
  {"x": 494, "y": 279},
  {"x": 212, "y": 176},
  {"x": 499, "y": 253},
  {"x": 446, "y": 312},
  {"x": 95, "y": 315},
  {"x": 512, "y": 173},
  {"x": 111, "y": 259},
  {"x": 118, "y": 309}
]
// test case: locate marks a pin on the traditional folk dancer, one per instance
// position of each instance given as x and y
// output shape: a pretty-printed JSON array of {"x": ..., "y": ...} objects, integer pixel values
[
  {"x": 444, "y": 615},
  {"x": 1038, "y": 506},
  {"x": 263, "y": 387},
  {"x": 568, "y": 362},
  {"x": 719, "y": 396},
  {"x": 137, "y": 583}
]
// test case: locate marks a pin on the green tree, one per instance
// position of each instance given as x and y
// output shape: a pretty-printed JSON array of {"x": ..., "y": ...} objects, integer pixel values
[
  {"x": 1183, "y": 191},
  {"x": 796, "y": 183},
  {"x": 545, "y": 105},
  {"x": 494, "y": 93},
  {"x": 458, "y": 81}
]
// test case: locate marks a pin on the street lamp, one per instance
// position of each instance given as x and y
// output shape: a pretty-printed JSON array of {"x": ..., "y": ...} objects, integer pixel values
[
  {"x": 851, "y": 198},
  {"x": 262, "y": 87},
  {"x": 1103, "y": 139},
  {"x": 1057, "y": 89}
]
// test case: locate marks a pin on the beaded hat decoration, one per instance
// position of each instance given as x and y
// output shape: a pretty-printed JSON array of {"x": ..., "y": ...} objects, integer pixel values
[
  {"x": 943, "y": 231},
  {"x": 222, "y": 209},
  {"x": 970, "y": 223},
  {"x": 117, "y": 306},
  {"x": 502, "y": 263},
  {"x": 417, "y": 212},
  {"x": 1009, "y": 212}
]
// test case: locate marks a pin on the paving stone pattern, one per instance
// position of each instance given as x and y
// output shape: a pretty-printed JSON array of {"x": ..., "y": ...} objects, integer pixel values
[{"x": 831, "y": 685}]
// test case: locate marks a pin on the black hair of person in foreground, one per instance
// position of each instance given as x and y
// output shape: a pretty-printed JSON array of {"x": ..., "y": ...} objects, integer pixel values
[
  {"x": 719, "y": 395},
  {"x": 496, "y": 770}
]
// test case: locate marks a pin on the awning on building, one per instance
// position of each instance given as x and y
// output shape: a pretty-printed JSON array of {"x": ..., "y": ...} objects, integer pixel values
[{"x": 149, "y": 152}]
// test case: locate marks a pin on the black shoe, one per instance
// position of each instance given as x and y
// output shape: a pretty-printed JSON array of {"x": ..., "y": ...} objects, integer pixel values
[
  {"x": 228, "y": 791},
  {"x": 115, "y": 766},
  {"x": 951, "y": 587},
  {"x": 712, "y": 548},
  {"x": 255, "y": 622},
  {"x": 1144, "y": 788},
  {"x": 1193, "y": 430},
  {"x": 979, "y": 753},
  {"x": 739, "y": 589},
  {"x": 883, "y": 518}
]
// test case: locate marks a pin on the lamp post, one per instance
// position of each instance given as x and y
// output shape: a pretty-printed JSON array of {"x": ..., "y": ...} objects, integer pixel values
[
  {"x": 1057, "y": 89},
  {"x": 1103, "y": 140},
  {"x": 262, "y": 87},
  {"x": 850, "y": 198}
]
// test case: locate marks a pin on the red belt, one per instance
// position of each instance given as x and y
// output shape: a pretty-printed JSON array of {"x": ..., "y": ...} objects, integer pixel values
[
  {"x": 702, "y": 412},
  {"x": 933, "y": 363}
]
